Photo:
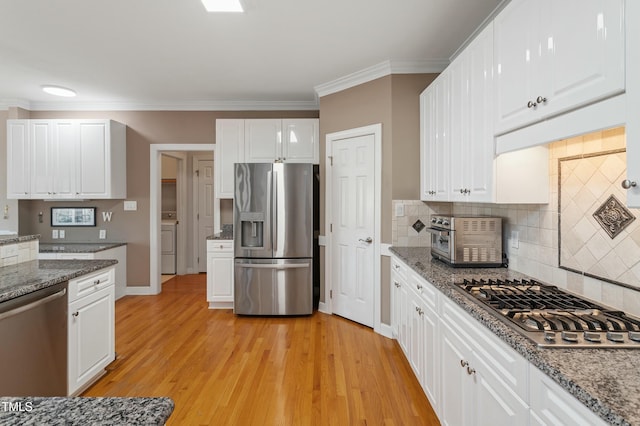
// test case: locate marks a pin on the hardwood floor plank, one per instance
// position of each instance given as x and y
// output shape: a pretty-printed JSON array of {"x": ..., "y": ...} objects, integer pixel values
[{"x": 223, "y": 369}]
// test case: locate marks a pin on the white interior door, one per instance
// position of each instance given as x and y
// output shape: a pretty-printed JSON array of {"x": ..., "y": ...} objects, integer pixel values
[
  {"x": 353, "y": 224},
  {"x": 205, "y": 210}
]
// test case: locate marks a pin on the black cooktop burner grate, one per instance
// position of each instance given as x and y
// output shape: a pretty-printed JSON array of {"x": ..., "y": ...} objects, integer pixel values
[{"x": 534, "y": 306}]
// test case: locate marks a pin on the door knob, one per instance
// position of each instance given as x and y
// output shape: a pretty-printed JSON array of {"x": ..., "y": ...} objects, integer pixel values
[
  {"x": 626, "y": 184},
  {"x": 368, "y": 240}
]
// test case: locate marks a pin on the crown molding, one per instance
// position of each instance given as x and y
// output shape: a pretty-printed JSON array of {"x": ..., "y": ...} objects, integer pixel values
[
  {"x": 166, "y": 106},
  {"x": 381, "y": 70}
]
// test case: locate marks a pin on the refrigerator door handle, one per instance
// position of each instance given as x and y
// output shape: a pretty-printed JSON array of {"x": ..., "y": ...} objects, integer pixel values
[
  {"x": 275, "y": 236},
  {"x": 273, "y": 266}
]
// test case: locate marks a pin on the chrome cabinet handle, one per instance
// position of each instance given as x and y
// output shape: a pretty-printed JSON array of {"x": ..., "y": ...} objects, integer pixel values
[
  {"x": 531, "y": 104},
  {"x": 368, "y": 240},
  {"x": 75, "y": 314},
  {"x": 471, "y": 371},
  {"x": 397, "y": 284},
  {"x": 96, "y": 282},
  {"x": 541, "y": 100},
  {"x": 463, "y": 363},
  {"x": 419, "y": 286},
  {"x": 626, "y": 184},
  {"x": 396, "y": 266}
]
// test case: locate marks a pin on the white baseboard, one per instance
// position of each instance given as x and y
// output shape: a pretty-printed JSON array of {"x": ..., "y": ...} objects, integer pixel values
[
  {"x": 139, "y": 291},
  {"x": 322, "y": 240},
  {"x": 322, "y": 307},
  {"x": 385, "y": 330}
]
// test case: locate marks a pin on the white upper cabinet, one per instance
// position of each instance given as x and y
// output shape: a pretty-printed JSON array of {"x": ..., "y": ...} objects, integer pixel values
[
  {"x": 229, "y": 150},
  {"x": 289, "y": 141},
  {"x": 434, "y": 140},
  {"x": 555, "y": 56},
  {"x": 18, "y": 159},
  {"x": 262, "y": 140},
  {"x": 66, "y": 159},
  {"x": 471, "y": 121},
  {"x": 300, "y": 141}
]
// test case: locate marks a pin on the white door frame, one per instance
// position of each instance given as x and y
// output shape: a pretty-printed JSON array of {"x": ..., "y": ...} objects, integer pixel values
[
  {"x": 376, "y": 131},
  {"x": 155, "y": 283},
  {"x": 181, "y": 202}
]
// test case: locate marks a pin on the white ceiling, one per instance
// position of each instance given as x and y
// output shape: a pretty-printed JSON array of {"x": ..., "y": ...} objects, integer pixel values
[{"x": 172, "y": 54}]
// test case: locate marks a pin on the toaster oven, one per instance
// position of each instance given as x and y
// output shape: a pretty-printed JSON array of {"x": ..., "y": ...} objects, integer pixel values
[{"x": 467, "y": 240}]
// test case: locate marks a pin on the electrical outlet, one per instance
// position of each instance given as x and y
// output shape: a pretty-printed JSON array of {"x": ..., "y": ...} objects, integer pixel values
[
  {"x": 54, "y": 234},
  {"x": 515, "y": 239},
  {"x": 61, "y": 233},
  {"x": 399, "y": 210},
  {"x": 103, "y": 234},
  {"x": 130, "y": 205}
]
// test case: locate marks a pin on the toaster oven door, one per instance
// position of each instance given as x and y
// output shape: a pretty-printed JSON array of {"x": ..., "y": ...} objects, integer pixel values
[{"x": 441, "y": 241}]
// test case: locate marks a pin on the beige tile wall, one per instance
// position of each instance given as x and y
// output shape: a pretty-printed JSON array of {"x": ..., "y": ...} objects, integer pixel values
[{"x": 536, "y": 253}]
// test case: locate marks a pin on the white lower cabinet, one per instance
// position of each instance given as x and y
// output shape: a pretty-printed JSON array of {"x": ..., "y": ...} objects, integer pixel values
[
  {"x": 220, "y": 274},
  {"x": 551, "y": 405},
  {"x": 469, "y": 375},
  {"x": 91, "y": 328}
]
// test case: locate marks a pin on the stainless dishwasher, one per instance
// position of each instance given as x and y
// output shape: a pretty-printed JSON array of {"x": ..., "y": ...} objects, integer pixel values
[{"x": 33, "y": 343}]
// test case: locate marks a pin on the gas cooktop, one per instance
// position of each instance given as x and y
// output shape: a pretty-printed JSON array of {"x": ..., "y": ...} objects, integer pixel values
[{"x": 552, "y": 317}]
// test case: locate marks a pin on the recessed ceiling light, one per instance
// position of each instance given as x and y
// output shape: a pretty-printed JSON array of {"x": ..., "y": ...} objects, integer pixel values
[
  {"x": 223, "y": 5},
  {"x": 59, "y": 91}
]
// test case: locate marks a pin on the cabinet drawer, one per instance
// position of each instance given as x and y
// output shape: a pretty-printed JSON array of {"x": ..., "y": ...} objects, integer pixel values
[
  {"x": 90, "y": 283},
  {"x": 424, "y": 289},
  {"x": 399, "y": 268},
  {"x": 220, "y": 245}
]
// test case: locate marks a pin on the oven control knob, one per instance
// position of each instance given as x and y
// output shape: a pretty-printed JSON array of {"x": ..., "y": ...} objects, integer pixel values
[
  {"x": 549, "y": 336},
  {"x": 592, "y": 337},
  {"x": 615, "y": 337},
  {"x": 433, "y": 220},
  {"x": 445, "y": 222},
  {"x": 439, "y": 221},
  {"x": 570, "y": 336},
  {"x": 635, "y": 336}
]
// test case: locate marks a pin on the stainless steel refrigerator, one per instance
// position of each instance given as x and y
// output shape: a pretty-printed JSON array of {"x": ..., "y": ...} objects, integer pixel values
[{"x": 274, "y": 238}]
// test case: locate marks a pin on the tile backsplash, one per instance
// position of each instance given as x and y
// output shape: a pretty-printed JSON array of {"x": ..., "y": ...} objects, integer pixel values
[{"x": 536, "y": 252}]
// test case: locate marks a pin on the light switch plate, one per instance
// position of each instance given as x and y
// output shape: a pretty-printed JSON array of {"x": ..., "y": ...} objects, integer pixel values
[
  {"x": 102, "y": 234},
  {"x": 515, "y": 239},
  {"x": 54, "y": 234},
  {"x": 131, "y": 205},
  {"x": 61, "y": 233}
]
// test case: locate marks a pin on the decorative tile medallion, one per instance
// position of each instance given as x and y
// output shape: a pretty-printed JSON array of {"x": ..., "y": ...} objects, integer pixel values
[
  {"x": 613, "y": 216},
  {"x": 418, "y": 226}
]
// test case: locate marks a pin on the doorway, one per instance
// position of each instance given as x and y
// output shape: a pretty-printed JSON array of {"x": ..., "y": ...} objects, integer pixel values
[
  {"x": 353, "y": 214},
  {"x": 180, "y": 150}
]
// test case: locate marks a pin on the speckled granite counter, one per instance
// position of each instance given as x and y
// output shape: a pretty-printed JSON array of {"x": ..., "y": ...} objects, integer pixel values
[
  {"x": 27, "y": 277},
  {"x": 225, "y": 234},
  {"x": 84, "y": 411},
  {"x": 13, "y": 239},
  {"x": 605, "y": 380},
  {"x": 77, "y": 247}
]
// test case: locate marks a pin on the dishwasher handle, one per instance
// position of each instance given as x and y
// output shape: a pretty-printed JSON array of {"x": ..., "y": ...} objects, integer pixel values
[{"x": 33, "y": 304}]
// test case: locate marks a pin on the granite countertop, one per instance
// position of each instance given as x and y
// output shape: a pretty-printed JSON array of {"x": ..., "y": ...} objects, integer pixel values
[
  {"x": 14, "y": 238},
  {"x": 77, "y": 247},
  {"x": 607, "y": 381},
  {"x": 84, "y": 411},
  {"x": 27, "y": 277},
  {"x": 225, "y": 234}
]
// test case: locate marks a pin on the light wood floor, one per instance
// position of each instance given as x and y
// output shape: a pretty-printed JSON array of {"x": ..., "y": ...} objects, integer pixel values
[{"x": 227, "y": 370}]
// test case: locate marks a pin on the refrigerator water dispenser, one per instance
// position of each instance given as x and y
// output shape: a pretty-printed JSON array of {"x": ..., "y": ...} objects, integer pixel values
[{"x": 252, "y": 229}]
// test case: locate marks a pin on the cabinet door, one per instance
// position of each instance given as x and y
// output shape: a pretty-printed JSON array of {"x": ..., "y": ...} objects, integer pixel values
[
  {"x": 434, "y": 163},
  {"x": 300, "y": 141},
  {"x": 65, "y": 143},
  {"x": 456, "y": 386},
  {"x": 18, "y": 160},
  {"x": 479, "y": 147},
  {"x": 431, "y": 356},
  {"x": 586, "y": 41},
  {"x": 395, "y": 304},
  {"x": 262, "y": 140},
  {"x": 459, "y": 136},
  {"x": 404, "y": 316},
  {"x": 518, "y": 55},
  {"x": 416, "y": 327},
  {"x": 495, "y": 403},
  {"x": 91, "y": 337},
  {"x": 222, "y": 265},
  {"x": 42, "y": 148},
  {"x": 229, "y": 150},
  {"x": 93, "y": 171}
]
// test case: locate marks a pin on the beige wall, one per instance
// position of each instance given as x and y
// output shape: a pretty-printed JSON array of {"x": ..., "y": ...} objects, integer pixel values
[
  {"x": 143, "y": 129},
  {"x": 392, "y": 101}
]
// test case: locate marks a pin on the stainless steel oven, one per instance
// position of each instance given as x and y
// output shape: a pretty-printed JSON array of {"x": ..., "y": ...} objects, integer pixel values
[{"x": 467, "y": 240}]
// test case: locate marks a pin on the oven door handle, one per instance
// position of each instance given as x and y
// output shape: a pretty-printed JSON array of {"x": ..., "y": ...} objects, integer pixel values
[{"x": 439, "y": 232}]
